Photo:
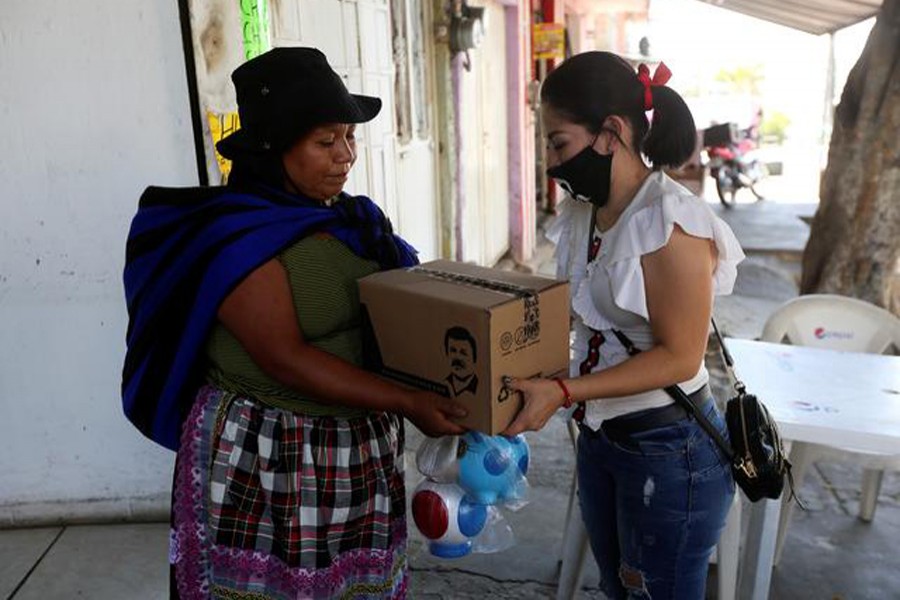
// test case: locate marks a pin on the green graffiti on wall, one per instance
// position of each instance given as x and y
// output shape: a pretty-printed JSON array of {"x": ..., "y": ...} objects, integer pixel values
[{"x": 255, "y": 26}]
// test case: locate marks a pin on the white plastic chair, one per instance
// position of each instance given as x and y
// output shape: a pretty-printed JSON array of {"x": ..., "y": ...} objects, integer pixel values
[
  {"x": 836, "y": 323},
  {"x": 576, "y": 549}
]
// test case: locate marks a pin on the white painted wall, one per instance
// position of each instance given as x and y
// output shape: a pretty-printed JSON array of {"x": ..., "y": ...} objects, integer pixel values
[
  {"x": 484, "y": 156},
  {"x": 418, "y": 218},
  {"x": 93, "y": 107},
  {"x": 355, "y": 36}
]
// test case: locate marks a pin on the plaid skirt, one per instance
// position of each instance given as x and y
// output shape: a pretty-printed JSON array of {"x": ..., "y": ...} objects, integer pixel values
[{"x": 271, "y": 504}]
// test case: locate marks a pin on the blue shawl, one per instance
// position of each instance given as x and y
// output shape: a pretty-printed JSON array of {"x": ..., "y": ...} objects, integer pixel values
[{"x": 187, "y": 250}]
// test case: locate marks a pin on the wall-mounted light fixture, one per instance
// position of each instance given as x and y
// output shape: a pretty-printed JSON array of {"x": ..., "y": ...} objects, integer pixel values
[{"x": 466, "y": 29}]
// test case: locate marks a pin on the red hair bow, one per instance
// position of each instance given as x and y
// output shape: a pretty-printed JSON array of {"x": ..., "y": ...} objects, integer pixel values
[{"x": 660, "y": 77}]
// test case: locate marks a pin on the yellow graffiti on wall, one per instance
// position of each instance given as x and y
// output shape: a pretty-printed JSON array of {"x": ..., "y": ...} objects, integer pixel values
[{"x": 221, "y": 125}]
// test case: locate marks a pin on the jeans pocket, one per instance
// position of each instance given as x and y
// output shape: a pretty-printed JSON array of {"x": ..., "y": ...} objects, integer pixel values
[
  {"x": 658, "y": 443},
  {"x": 704, "y": 452}
]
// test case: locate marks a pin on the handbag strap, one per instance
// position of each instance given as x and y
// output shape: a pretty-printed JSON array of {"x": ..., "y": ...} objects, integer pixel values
[
  {"x": 684, "y": 400},
  {"x": 679, "y": 396},
  {"x": 739, "y": 386},
  {"x": 673, "y": 390}
]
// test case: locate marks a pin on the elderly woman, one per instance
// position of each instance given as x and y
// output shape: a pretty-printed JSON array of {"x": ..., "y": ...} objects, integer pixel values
[{"x": 244, "y": 354}]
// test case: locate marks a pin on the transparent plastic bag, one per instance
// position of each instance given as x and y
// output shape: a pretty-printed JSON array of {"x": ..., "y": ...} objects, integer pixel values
[
  {"x": 447, "y": 518},
  {"x": 493, "y": 469},
  {"x": 436, "y": 458},
  {"x": 496, "y": 535},
  {"x": 468, "y": 479}
]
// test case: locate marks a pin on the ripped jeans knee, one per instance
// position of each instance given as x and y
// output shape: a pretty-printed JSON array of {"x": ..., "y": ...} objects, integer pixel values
[
  {"x": 633, "y": 581},
  {"x": 654, "y": 516}
]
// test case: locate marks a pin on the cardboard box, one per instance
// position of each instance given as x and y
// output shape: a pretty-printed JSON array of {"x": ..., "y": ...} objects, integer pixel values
[{"x": 457, "y": 329}]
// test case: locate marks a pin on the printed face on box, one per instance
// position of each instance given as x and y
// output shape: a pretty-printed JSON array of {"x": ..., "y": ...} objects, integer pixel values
[{"x": 462, "y": 355}]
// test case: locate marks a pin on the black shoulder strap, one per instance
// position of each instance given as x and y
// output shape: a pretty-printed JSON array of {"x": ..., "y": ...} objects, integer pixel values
[
  {"x": 683, "y": 399},
  {"x": 729, "y": 361}
]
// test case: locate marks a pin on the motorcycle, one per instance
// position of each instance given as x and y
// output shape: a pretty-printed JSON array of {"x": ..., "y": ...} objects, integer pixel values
[{"x": 731, "y": 162}]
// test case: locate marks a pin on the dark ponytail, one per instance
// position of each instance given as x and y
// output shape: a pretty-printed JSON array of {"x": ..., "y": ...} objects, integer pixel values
[
  {"x": 673, "y": 136},
  {"x": 589, "y": 87}
]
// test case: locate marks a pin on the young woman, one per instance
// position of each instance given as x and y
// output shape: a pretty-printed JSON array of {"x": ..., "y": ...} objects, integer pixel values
[
  {"x": 645, "y": 258},
  {"x": 244, "y": 354}
]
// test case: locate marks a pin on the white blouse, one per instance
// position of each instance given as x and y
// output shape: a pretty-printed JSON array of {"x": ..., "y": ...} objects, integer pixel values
[{"x": 609, "y": 292}]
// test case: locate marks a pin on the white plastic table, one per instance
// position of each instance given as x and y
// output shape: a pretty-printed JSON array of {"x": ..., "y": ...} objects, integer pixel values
[{"x": 822, "y": 396}]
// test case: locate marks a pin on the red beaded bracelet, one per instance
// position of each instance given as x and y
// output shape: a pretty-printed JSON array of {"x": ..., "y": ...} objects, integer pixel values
[{"x": 568, "y": 395}]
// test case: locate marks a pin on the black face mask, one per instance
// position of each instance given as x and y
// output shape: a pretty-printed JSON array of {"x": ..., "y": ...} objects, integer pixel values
[{"x": 586, "y": 176}]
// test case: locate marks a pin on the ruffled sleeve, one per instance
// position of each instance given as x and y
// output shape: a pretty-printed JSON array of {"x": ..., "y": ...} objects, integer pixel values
[
  {"x": 583, "y": 303},
  {"x": 649, "y": 229},
  {"x": 569, "y": 232}
]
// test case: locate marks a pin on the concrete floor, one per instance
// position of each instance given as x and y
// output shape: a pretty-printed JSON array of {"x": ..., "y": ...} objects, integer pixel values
[{"x": 829, "y": 554}]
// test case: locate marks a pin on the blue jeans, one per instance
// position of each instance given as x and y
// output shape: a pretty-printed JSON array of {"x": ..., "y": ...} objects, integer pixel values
[{"x": 654, "y": 509}]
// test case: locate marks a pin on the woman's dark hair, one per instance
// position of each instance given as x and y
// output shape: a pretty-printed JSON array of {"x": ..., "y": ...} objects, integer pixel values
[
  {"x": 267, "y": 168},
  {"x": 249, "y": 170},
  {"x": 587, "y": 88}
]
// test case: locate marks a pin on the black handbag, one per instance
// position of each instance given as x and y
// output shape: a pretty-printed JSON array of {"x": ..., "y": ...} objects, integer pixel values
[{"x": 758, "y": 463}]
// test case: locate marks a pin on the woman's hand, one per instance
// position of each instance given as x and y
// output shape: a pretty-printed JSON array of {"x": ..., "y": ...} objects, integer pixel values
[
  {"x": 260, "y": 314},
  {"x": 542, "y": 398},
  {"x": 433, "y": 414}
]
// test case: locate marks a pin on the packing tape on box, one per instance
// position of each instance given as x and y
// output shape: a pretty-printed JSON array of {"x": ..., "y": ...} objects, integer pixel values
[{"x": 489, "y": 284}]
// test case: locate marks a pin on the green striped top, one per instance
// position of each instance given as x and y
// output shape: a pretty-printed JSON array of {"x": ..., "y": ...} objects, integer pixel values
[{"x": 322, "y": 272}]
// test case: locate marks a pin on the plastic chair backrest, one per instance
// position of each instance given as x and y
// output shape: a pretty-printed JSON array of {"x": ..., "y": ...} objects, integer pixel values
[{"x": 834, "y": 322}]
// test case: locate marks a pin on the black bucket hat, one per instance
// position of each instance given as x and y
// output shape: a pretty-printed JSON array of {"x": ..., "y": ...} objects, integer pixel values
[{"x": 285, "y": 92}]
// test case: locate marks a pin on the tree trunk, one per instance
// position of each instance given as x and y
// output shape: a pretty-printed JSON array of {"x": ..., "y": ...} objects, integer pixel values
[{"x": 854, "y": 244}]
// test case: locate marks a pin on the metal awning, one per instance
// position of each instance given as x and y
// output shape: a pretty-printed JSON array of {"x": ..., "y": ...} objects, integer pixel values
[{"x": 812, "y": 16}]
